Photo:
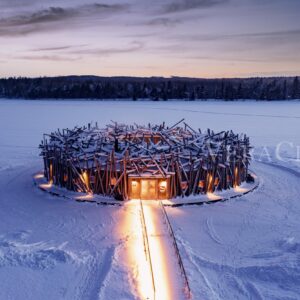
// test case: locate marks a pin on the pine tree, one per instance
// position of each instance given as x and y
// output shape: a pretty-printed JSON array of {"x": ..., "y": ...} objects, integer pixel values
[
  {"x": 284, "y": 90},
  {"x": 296, "y": 89},
  {"x": 240, "y": 94}
]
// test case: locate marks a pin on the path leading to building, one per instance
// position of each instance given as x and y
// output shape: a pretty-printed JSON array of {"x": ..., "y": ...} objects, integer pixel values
[{"x": 169, "y": 282}]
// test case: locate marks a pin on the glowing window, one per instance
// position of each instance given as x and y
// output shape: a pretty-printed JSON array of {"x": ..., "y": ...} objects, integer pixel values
[
  {"x": 134, "y": 183},
  {"x": 162, "y": 186}
]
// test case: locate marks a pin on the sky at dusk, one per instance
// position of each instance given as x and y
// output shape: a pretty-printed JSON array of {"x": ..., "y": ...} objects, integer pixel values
[{"x": 194, "y": 38}]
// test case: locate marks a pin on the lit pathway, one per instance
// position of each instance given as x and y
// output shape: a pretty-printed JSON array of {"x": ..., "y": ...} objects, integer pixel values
[{"x": 168, "y": 281}]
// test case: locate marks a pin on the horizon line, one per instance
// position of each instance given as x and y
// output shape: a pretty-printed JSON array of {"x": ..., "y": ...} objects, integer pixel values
[{"x": 147, "y": 77}]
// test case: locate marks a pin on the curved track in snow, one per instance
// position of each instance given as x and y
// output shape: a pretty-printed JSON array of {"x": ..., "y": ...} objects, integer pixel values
[
  {"x": 67, "y": 247},
  {"x": 246, "y": 248},
  {"x": 51, "y": 248}
]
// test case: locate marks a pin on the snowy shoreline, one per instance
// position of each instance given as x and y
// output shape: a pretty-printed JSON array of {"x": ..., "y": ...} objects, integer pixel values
[{"x": 150, "y": 100}]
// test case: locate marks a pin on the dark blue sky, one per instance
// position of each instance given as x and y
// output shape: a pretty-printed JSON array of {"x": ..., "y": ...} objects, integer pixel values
[{"x": 204, "y": 38}]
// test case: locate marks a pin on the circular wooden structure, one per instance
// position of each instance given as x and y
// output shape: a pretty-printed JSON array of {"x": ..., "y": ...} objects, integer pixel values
[{"x": 145, "y": 162}]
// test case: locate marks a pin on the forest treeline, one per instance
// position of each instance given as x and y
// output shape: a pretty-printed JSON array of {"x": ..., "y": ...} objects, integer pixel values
[{"x": 154, "y": 88}]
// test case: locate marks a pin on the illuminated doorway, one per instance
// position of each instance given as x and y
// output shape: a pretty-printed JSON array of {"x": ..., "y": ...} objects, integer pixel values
[
  {"x": 148, "y": 189},
  {"x": 152, "y": 188}
]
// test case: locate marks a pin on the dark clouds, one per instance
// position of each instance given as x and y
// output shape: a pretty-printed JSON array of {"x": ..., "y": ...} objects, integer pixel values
[
  {"x": 133, "y": 47},
  {"x": 171, "y": 35},
  {"x": 51, "y": 14},
  {"x": 52, "y": 48},
  {"x": 291, "y": 35},
  {"x": 56, "y": 58},
  {"x": 184, "y": 5},
  {"x": 46, "y": 19},
  {"x": 77, "y": 52},
  {"x": 162, "y": 21},
  {"x": 7, "y": 4}
]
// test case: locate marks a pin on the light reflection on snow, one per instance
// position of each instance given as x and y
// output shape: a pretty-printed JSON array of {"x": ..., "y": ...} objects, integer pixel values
[
  {"x": 239, "y": 189},
  {"x": 163, "y": 286},
  {"x": 212, "y": 196},
  {"x": 46, "y": 185},
  {"x": 87, "y": 197},
  {"x": 39, "y": 176},
  {"x": 137, "y": 256},
  {"x": 136, "y": 251}
]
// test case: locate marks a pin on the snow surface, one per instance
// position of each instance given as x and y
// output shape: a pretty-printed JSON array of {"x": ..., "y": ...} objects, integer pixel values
[{"x": 245, "y": 248}]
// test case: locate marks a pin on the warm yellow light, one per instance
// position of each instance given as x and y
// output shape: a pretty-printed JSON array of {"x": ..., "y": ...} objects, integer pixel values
[
  {"x": 235, "y": 177},
  {"x": 201, "y": 184},
  {"x": 113, "y": 181},
  {"x": 216, "y": 181},
  {"x": 134, "y": 183},
  {"x": 46, "y": 185},
  {"x": 137, "y": 255},
  {"x": 210, "y": 181},
  {"x": 51, "y": 173},
  {"x": 85, "y": 178},
  {"x": 144, "y": 188},
  {"x": 162, "y": 186},
  {"x": 39, "y": 176},
  {"x": 135, "y": 251},
  {"x": 163, "y": 284},
  {"x": 239, "y": 189},
  {"x": 86, "y": 197},
  {"x": 212, "y": 196}
]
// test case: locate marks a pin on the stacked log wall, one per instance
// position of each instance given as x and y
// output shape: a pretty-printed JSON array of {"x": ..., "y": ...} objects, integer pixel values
[{"x": 222, "y": 162}]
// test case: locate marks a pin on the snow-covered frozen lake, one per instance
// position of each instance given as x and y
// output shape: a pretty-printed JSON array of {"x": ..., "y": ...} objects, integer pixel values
[{"x": 247, "y": 248}]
